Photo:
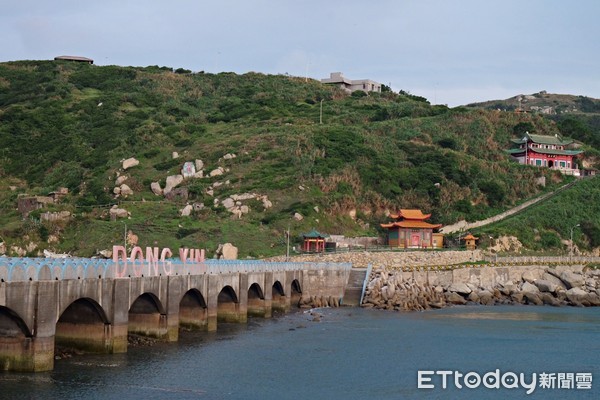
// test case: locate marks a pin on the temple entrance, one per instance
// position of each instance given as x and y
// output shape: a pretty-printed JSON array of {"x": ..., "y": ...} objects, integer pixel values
[
  {"x": 415, "y": 240},
  {"x": 550, "y": 164}
]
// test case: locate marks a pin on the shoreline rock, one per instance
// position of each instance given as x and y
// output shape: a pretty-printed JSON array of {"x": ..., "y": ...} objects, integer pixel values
[{"x": 390, "y": 289}]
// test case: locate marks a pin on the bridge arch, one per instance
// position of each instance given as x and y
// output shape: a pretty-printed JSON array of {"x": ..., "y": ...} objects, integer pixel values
[
  {"x": 83, "y": 325},
  {"x": 257, "y": 306},
  {"x": 12, "y": 325},
  {"x": 193, "y": 311},
  {"x": 228, "y": 305},
  {"x": 279, "y": 302},
  {"x": 15, "y": 341},
  {"x": 147, "y": 316},
  {"x": 295, "y": 293}
]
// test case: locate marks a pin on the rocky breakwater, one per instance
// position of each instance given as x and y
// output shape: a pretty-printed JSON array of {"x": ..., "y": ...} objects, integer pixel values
[{"x": 422, "y": 289}]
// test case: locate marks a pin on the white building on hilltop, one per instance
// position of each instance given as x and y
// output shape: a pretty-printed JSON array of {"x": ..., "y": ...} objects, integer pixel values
[{"x": 366, "y": 85}]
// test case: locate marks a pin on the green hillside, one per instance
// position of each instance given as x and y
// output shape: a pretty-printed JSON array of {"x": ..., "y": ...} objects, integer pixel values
[{"x": 70, "y": 124}]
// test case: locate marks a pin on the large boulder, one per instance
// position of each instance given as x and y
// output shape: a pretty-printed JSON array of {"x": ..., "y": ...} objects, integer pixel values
[
  {"x": 227, "y": 251},
  {"x": 572, "y": 279},
  {"x": 486, "y": 297},
  {"x": 130, "y": 162},
  {"x": 126, "y": 190},
  {"x": 529, "y": 288},
  {"x": 533, "y": 298},
  {"x": 187, "y": 210},
  {"x": 548, "y": 299},
  {"x": 199, "y": 164},
  {"x": 172, "y": 181},
  {"x": 576, "y": 295},
  {"x": 460, "y": 288},
  {"x": 545, "y": 286},
  {"x": 217, "y": 172},
  {"x": 228, "y": 203},
  {"x": 532, "y": 274},
  {"x": 120, "y": 180},
  {"x": 266, "y": 203},
  {"x": 156, "y": 189},
  {"x": 554, "y": 279},
  {"x": 455, "y": 298},
  {"x": 116, "y": 212}
]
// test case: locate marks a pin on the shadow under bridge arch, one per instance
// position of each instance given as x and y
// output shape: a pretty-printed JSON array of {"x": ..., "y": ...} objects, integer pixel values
[
  {"x": 228, "y": 306},
  {"x": 84, "y": 326}
]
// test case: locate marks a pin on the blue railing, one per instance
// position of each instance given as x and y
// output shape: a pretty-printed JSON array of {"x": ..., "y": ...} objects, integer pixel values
[{"x": 14, "y": 269}]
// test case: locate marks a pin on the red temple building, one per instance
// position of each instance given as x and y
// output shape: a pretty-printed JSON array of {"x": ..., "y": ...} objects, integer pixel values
[
  {"x": 546, "y": 151},
  {"x": 409, "y": 230}
]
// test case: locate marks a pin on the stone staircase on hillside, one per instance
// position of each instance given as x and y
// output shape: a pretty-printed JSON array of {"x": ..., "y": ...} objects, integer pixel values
[
  {"x": 354, "y": 288},
  {"x": 465, "y": 226}
]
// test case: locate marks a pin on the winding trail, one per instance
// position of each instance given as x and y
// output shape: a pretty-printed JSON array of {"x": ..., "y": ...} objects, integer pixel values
[{"x": 464, "y": 225}]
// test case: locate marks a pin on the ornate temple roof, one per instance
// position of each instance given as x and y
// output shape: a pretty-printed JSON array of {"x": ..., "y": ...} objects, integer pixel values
[
  {"x": 542, "y": 139},
  {"x": 410, "y": 214}
]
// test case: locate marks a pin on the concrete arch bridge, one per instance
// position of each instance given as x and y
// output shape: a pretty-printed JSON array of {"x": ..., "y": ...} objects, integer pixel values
[{"x": 92, "y": 305}]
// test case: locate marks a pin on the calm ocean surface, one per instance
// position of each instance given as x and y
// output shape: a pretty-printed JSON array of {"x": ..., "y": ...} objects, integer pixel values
[{"x": 349, "y": 354}]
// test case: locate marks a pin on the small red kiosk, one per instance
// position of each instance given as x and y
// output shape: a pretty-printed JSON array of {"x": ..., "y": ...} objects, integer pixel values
[{"x": 314, "y": 242}]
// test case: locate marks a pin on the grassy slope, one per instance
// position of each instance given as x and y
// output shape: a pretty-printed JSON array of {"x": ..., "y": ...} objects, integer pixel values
[{"x": 371, "y": 154}]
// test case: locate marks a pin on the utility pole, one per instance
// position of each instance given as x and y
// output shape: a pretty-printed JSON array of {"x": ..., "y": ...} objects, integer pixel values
[
  {"x": 287, "y": 251},
  {"x": 125, "y": 237},
  {"x": 321, "y": 113}
]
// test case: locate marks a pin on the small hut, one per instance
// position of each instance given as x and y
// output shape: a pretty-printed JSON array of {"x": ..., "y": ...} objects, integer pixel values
[
  {"x": 470, "y": 242},
  {"x": 314, "y": 242}
]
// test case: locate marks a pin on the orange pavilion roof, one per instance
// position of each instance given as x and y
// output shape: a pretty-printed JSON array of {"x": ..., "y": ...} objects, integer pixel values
[
  {"x": 470, "y": 237},
  {"x": 410, "y": 214},
  {"x": 411, "y": 224}
]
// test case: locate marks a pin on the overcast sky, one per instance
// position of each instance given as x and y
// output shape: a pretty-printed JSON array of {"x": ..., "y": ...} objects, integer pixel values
[{"x": 450, "y": 51}]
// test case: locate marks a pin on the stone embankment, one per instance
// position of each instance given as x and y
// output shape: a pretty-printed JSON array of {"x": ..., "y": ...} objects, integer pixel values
[
  {"x": 421, "y": 289},
  {"x": 391, "y": 258}
]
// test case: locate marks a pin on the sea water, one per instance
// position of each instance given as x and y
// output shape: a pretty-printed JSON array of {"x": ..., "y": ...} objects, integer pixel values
[{"x": 350, "y": 353}]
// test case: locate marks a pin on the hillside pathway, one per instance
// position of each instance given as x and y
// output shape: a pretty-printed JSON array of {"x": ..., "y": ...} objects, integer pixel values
[{"x": 464, "y": 225}]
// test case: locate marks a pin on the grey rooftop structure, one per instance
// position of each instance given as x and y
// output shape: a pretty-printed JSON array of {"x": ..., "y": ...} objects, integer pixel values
[{"x": 366, "y": 85}]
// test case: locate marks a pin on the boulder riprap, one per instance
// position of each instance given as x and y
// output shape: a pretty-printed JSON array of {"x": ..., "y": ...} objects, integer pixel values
[{"x": 394, "y": 289}]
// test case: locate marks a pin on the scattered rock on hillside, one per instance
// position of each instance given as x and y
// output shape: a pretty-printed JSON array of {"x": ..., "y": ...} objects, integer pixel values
[
  {"x": 186, "y": 211},
  {"x": 226, "y": 251},
  {"x": 156, "y": 189},
  {"x": 199, "y": 164},
  {"x": 172, "y": 181},
  {"x": 298, "y": 217},
  {"x": 217, "y": 172},
  {"x": 105, "y": 253},
  {"x": 2, "y": 248},
  {"x": 130, "y": 162},
  {"x": 229, "y": 156},
  {"x": 266, "y": 203},
  {"x": 228, "y": 203},
  {"x": 120, "y": 180},
  {"x": 126, "y": 190},
  {"x": 116, "y": 212},
  {"x": 175, "y": 155}
]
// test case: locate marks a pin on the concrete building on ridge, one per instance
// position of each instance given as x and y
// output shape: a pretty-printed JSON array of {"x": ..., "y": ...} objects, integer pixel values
[{"x": 349, "y": 85}]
